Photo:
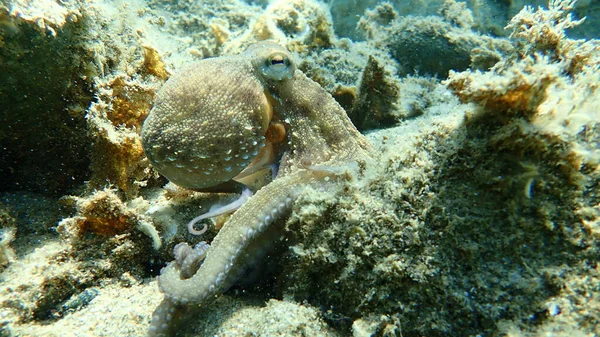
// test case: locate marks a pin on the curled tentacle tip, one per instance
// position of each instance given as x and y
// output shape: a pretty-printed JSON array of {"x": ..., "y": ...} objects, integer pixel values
[
  {"x": 216, "y": 211},
  {"x": 192, "y": 229}
]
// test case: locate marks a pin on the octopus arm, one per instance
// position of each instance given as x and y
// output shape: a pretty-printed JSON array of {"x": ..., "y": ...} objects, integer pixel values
[
  {"x": 322, "y": 131},
  {"x": 248, "y": 234}
]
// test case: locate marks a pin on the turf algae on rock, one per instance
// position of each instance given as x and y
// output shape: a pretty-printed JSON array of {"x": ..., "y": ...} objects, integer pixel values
[{"x": 482, "y": 221}]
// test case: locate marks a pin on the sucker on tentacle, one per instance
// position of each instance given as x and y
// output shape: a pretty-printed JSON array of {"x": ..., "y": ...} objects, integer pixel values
[{"x": 188, "y": 259}]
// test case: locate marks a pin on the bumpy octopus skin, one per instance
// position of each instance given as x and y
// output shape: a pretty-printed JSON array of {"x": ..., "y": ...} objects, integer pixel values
[{"x": 208, "y": 123}]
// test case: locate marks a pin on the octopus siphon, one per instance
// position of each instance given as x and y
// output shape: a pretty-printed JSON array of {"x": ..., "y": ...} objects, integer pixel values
[{"x": 214, "y": 126}]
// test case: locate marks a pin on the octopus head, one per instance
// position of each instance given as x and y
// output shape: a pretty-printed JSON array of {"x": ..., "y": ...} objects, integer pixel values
[
  {"x": 273, "y": 62},
  {"x": 212, "y": 120}
]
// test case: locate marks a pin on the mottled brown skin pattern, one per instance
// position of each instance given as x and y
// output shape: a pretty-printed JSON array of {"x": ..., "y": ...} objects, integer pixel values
[
  {"x": 207, "y": 124},
  {"x": 320, "y": 140}
]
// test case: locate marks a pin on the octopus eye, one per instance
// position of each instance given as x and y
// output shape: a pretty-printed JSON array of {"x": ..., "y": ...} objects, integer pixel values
[
  {"x": 278, "y": 59},
  {"x": 278, "y": 66}
]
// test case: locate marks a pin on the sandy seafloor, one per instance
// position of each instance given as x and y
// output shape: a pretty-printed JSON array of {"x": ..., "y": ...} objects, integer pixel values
[{"x": 479, "y": 217}]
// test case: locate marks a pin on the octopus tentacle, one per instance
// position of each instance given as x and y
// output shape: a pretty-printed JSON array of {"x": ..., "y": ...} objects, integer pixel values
[
  {"x": 189, "y": 258},
  {"x": 228, "y": 255},
  {"x": 163, "y": 317},
  {"x": 219, "y": 210}
]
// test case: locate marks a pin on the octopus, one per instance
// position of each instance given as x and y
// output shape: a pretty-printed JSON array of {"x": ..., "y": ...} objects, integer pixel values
[{"x": 215, "y": 125}]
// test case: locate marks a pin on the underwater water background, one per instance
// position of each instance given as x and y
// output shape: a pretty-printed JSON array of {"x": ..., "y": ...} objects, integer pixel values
[{"x": 478, "y": 215}]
